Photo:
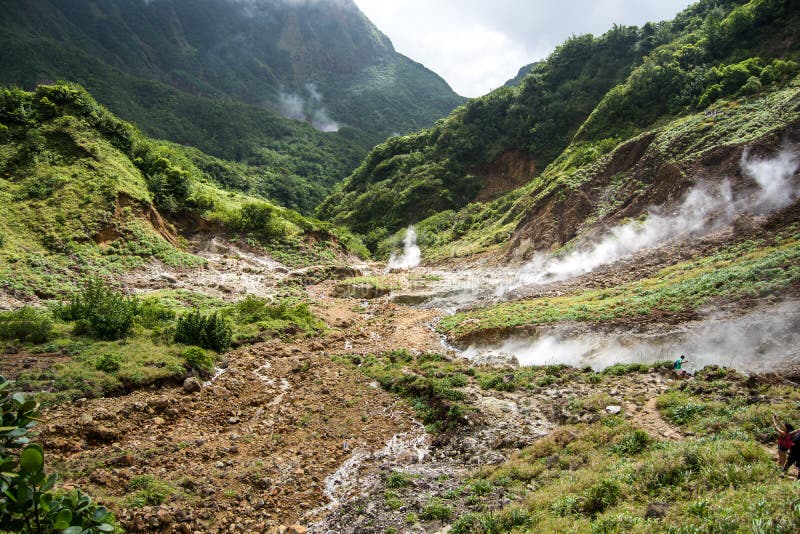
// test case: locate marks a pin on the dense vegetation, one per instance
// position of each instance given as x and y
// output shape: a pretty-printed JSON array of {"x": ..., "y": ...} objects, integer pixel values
[
  {"x": 218, "y": 74},
  {"x": 588, "y": 97},
  {"x": 162, "y": 337}
]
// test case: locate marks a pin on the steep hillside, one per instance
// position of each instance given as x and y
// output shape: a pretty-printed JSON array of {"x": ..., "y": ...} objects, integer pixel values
[
  {"x": 221, "y": 75},
  {"x": 584, "y": 102},
  {"x": 84, "y": 193}
]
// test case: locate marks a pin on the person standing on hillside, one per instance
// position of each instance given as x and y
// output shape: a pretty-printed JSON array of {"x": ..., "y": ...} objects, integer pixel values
[
  {"x": 785, "y": 440},
  {"x": 677, "y": 366}
]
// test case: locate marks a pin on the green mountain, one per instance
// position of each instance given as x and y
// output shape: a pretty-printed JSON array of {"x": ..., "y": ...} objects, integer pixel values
[
  {"x": 86, "y": 194},
  {"x": 478, "y": 177},
  {"x": 228, "y": 77}
]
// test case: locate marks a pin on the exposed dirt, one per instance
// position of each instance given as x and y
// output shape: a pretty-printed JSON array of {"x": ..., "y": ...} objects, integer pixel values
[{"x": 512, "y": 169}]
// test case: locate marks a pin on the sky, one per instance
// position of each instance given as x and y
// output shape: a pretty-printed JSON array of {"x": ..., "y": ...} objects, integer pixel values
[{"x": 477, "y": 45}]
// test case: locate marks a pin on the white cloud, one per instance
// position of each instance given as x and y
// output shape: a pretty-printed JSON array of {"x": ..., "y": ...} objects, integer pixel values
[{"x": 477, "y": 45}]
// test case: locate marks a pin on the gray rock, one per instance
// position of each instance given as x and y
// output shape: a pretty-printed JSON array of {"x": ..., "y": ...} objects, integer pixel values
[
  {"x": 613, "y": 409},
  {"x": 192, "y": 385},
  {"x": 495, "y": 358}
]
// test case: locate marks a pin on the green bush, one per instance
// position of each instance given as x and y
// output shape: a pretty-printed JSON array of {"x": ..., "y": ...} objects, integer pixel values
[
  {"x": 436, "y": 510},
  {"x": 109, "y": 363},
  {"x": 210, "y": 331},
  {"x": 632, "y": 443},
  {"x": 28, "y": 503},
  {"x": 25, "y": 324},
  {"x": 198, "y": 359},
  {"x": 599, "y": 497},
  {"x": 108, "y": 312},
  {"x": 398, "y": 479},
  {"x": 152, "y": 314}
]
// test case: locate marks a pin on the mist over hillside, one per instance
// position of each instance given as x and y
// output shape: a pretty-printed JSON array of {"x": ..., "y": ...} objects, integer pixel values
[{"x": 224, "y": 75}]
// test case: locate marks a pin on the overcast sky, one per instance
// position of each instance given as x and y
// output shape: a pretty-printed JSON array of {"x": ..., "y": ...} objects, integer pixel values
[{"x": 477, "y": 45}]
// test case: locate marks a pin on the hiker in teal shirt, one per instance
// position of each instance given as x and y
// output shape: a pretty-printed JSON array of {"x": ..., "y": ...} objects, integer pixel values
[{"x": 678, "y": 364}]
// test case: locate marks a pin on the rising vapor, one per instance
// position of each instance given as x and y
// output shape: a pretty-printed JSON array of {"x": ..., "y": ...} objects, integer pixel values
[
  {"x": 410, "y": 257},
  {"x": 704, "y": 208}
]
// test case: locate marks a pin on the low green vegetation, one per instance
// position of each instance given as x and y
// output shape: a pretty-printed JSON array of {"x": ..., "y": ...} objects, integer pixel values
[
  {"x": 750, "y": 269},
  {"x": 28, "y": 501},
  {"x": 611, "y": 475},
  {"x": 171, "y": 335}
]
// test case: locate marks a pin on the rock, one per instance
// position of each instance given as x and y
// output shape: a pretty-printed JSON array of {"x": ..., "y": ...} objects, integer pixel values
[
  {"x": 656, "y": 510},
  {"x": 296, "y": 529},
  {"x": 613, "y": 409},
  {"x": 102, "y": 434},
  {"x": 495, "y": 358},
  {"x": 192, "y": 385},
  {"x": 413, "y": 299},
  {"x": 158, "y": 421}
]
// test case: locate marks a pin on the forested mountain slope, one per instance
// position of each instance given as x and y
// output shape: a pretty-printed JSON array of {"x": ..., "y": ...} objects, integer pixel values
[
  {"x": 222, "y": 75},
  {"x": 586, "y": 100}
]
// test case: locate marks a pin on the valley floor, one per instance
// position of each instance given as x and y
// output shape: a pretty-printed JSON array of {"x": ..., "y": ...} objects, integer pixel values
[{"x": 374, "y": 424}]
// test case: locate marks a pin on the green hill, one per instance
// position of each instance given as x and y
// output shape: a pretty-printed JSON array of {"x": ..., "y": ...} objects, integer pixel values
[
  {"x": 83, "y": 193},
  {"x": 486, "y": 169},
  {"x": 222, "y": 75}
]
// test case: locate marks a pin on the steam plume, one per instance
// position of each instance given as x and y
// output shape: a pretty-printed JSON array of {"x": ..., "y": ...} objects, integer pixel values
[
  {"x": 759, "y": 341},
  {"x": 310, "y": 109},
  {"x": 410, "y": 256},
  {"x": 704, "y": 208}
]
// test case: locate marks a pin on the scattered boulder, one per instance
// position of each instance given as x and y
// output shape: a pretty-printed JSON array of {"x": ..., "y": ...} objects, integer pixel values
[
  {"x": 192, "y": 385},
  {"x": 613, "y": 409}
]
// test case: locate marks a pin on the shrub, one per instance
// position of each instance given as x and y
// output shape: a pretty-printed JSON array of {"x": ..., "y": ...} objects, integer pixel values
[
  {"x": 151, "y": 314},
  {"x": 398, "y": 479},
  {"x": 108, "y": 312},
  {"x": 148, "y": 491},
  {"x": 25, "y": 324},
  {"x": 632, "y": 443},
  {"x": 599, "y": 497},
  {"x": 198, "y": 359},
  {"x": 109, "y": 363},
  {"x": 434, "y": 510},
  {"x": 210, "y": 331}
]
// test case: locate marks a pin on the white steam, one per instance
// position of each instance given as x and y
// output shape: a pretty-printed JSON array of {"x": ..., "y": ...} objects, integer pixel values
[
  {"x": 760, "y": 341},
  {"x": 308, "y": 108},
  {"x": 410, "y": 256},
  {"x": 703, "y": 209}
]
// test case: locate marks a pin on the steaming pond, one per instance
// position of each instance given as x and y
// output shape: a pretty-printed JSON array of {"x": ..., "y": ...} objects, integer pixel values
[{"x": 764, "y": 340}]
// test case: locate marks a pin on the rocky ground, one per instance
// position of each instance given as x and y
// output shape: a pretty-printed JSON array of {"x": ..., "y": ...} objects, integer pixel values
[
  {"x": 285, "y": 436},
  {"x": 288, "y": 439}
]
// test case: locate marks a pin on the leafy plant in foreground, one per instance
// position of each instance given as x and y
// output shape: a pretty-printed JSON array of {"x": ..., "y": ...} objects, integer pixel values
[{"x": 27, "y": 502}]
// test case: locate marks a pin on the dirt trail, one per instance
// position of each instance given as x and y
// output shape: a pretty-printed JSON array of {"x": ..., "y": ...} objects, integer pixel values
[{"x": 648, "y": 417}]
